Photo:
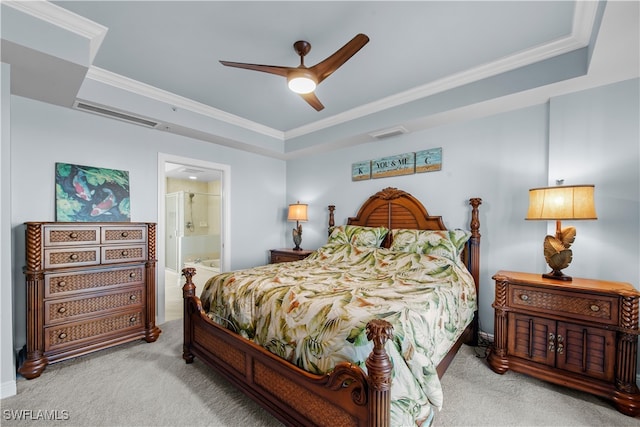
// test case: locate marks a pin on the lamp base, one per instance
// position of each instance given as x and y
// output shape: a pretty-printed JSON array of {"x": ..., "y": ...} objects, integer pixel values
[
  {"x": 557, "y": 275},
  {"x": 297, "y": 248}
]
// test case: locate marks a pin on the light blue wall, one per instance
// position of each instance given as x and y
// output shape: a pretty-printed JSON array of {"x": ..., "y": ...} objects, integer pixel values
[
  {"x": 595, "y": 139},
  {"x": 43, "y": 134},
  {"x": 496, "y": 158},
  {"x": 588, "y": 137}
]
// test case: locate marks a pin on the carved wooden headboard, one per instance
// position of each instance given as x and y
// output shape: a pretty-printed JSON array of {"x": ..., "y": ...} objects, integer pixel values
[{"x": 393, "y": 208}]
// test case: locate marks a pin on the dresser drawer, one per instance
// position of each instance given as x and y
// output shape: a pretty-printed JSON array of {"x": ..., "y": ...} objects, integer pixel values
[
  {"x": 71, "y": 235},
  {"x": 71, "y": 257},
  {"x": 57, "y": 310},
  {"x": 582, "y": 306},
  {"x": 124, "y": 234},
  {"x": 80, "y": 332},
  {"x": 123, "y": 254},
  {"x": 66, "y": 284}
]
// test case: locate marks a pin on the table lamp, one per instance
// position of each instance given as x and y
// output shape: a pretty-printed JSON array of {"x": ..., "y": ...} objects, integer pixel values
[
  {"x": 556, "y": 204},
  {"x": 297, "y": 213}
]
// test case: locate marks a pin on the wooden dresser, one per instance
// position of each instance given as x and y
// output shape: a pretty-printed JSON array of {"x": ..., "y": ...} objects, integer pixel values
[
  {"x": 288, "y": 255},
  {"x": 89, "y": 286},
  {"x": 581, "y": 334}
]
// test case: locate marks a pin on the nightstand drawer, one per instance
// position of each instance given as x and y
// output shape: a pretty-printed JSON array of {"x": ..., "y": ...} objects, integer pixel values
[
  {"x": 288, "y": 255},
  {"x": 275, "y": 258},
  {"x": 57, "y": 311},
  {"x": 582, "y": 306}
]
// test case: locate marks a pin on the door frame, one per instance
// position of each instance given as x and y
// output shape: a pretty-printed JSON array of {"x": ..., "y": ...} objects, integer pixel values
[{"x": 225, "y": 264}]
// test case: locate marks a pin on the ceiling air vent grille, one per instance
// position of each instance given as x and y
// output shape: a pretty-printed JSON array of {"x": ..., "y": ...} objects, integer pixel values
[
  {"x": 388, "y": 133},
  {"x": 115, "y": 114}
]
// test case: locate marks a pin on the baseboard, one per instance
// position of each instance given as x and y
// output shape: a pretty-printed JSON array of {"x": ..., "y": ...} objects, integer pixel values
[
  {"x": 8, "y": 389},
  {"x": 485, "y": 336}
]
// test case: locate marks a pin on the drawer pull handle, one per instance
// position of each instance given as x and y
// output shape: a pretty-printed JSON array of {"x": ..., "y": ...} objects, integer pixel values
[
  {"x": 560, "y": 349},
  {"x": 125, "y": 253},
  {"x": 595, "y": 308},
  {"x": 62, "y": 310},
  {"x": 124, "y": 234},
  {"x": 62, "y": 336},
  {"x": 73, "y": 235},
  {"x": 524, "y": 297},
  {"x": 74, "y": 256},
  {"x": 62, "y": 284},
  {"x": 132, "y": 319},
  {"x": 133, "y": 297},
  {"x": 552, "y": 342},
  {"x": 132, "y": 275}
]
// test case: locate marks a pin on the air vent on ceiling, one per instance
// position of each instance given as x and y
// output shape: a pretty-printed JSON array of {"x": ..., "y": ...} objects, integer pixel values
[
  {"x": 120, "y": 115},
  {"x": 388, "y": 133}
]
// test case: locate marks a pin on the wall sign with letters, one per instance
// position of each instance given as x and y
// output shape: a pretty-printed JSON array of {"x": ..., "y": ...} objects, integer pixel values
[{"x": 401, "y": 164}]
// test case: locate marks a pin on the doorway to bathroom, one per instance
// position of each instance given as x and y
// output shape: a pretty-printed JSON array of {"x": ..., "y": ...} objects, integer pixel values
[{"x": 193, "y": 229}]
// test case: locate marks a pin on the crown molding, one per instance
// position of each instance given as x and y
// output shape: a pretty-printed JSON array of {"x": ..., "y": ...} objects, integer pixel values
[
  {"x": 583, "y": 20},
  {"x": 582, "y": 27},
  {"x": 172, "y": 100},
  {"x": 55, "y": 15}
]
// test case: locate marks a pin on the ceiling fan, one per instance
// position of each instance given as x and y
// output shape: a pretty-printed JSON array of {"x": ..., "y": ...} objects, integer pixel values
[{"x": 303, "y": 80}]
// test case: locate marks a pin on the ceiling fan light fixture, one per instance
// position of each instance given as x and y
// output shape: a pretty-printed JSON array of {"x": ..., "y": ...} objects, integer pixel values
[{"x": 302, "y": 81}]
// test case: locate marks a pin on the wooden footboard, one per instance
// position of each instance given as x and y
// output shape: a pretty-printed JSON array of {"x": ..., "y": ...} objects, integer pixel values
[{"x": 345, "y": 397}]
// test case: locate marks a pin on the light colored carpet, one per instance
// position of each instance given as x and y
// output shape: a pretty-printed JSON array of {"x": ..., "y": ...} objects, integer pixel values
[{"x": 141, "y": 384}]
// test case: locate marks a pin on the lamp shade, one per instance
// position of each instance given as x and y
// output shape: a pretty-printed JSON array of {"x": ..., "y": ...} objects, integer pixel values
[
  {"x": 562, "y": 202},
  {"x": 297, "y": 212}
]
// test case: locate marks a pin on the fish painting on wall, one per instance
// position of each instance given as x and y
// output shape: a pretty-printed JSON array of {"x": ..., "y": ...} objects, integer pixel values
[{"x": 90, "y": 194}]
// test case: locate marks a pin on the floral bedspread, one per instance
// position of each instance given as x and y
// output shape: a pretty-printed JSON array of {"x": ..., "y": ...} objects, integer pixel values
[{"x": 313, "y": 313}]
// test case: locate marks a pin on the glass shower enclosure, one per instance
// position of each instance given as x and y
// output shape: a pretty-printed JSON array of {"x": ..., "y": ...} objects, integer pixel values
[{"x": 193, "y": 233}]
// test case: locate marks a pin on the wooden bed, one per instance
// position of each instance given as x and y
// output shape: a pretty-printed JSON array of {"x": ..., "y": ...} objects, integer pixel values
[{"x": 347, "y": 396}]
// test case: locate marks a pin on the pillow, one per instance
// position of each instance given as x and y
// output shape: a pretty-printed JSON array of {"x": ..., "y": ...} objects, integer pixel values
[
  {"x": 446, "y": 243},
  {"x": 358, "y": 235}
]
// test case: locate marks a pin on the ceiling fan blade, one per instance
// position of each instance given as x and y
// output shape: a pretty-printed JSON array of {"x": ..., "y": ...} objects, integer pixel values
[
  {"x": 323, "y": 69},
  {"x": 313, "y": 100},
  {"x": 271, "y": 69}
]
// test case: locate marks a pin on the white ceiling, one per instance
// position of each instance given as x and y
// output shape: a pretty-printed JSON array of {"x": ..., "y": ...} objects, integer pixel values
[{"x": 427, "y": 62}]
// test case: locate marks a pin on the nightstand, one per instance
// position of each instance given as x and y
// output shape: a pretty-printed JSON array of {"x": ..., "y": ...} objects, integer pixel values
[
  {"x": 288, "y": 255},
  {"x": 581, "y": 334}
]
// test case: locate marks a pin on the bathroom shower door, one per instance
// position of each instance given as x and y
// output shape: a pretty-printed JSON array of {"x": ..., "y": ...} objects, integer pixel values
[{"x": 172, "y": 221}]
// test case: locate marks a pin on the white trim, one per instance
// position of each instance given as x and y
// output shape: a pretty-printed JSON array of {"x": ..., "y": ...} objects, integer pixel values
[
  {"x": 583, "y": 20},
  {"x": 8, "y": 389},
  {"x": 64, "y": 19},
  {"x": 582, "y": 27},
  {"x": 160, "y": 233},
  {"x": 115, "y": 80},
  {"x": 486, "y": 336}
]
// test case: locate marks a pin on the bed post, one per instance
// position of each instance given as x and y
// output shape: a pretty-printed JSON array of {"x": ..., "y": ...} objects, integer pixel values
[
  {"x": 474, "y": 261},
  {"x": 332, "y": 221},
  {"x": 379, "y": 369},
  {"x": 188, "y": 291}
]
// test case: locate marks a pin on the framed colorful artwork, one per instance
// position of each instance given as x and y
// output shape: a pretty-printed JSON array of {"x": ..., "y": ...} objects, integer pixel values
[{"x": 91, "y": 194}]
